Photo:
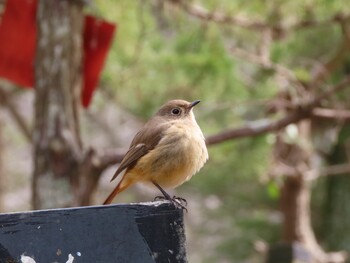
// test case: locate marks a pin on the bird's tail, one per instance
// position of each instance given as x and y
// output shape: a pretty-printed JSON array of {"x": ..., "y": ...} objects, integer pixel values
[{"x": 123, "y": 184}]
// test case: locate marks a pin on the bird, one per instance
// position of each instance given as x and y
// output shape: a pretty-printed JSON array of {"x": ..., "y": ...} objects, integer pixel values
[{"x": 166, "y": 152}]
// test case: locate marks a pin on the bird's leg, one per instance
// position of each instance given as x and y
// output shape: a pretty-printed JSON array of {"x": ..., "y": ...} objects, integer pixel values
[
  {"x": 177, "y": 201},
  {"x": 165, "y": 194}
]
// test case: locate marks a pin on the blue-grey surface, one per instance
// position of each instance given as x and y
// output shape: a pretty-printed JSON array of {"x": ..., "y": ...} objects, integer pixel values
[{"x": 149, "y": 232}]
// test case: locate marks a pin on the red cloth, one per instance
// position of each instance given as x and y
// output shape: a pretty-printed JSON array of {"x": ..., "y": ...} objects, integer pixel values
[
  {"x": 18, "y": 41},
  {"x": 18, "y": 44},
  {"x": 98, "y": 36}
]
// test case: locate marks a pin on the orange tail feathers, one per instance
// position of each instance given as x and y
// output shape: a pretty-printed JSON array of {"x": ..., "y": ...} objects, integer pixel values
[{"x": 123, "y": 184}]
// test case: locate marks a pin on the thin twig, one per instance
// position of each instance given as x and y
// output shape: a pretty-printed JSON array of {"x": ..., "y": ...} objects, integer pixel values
[
  {"x": 331, "y": 91},
  {"x": 267, "y": 64},
  {"x": 323, "y": 70}
]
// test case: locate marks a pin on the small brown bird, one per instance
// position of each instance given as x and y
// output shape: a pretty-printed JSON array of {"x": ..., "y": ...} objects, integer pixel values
[{"x": 166, "y": 152}]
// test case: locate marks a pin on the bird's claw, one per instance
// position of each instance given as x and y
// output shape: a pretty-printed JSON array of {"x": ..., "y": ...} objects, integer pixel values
[
  {"x": 160, "y": 198},
  {"x": 179, "y": 202}
]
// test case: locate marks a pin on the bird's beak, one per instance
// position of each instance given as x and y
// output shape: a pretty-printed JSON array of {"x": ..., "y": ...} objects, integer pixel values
[{"x": 192, "y": 104}]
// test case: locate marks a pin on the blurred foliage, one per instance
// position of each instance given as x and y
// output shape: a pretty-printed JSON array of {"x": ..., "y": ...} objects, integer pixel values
[{"x": 161, "y": 53}]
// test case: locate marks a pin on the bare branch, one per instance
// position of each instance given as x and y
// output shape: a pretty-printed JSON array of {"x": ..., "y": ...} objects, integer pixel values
[
  {"x": 331, "y": 91},
  {"x": 321, "y": 72},
  {"x": 90, "y": 170},
  {"x": 336, "y": 114},
  {"x": 199, "y": 12},
  {"x": 6, "y": 102},
  {"x": 264, "y": 50},
  {"x": 266, "y": 63},
  {"x": 263, "y": 126},
  {"x": 335, "y": 169},
  {"x": 107, "y": 157},
  {"x": 257, "y": 128},
  {"x": 311, "y": 174}
]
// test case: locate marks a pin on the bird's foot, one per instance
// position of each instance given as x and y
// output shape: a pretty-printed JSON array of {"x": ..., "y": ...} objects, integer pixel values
[
  {"x": 179, "y": 202},
  {"x": 160, "y": 198}
]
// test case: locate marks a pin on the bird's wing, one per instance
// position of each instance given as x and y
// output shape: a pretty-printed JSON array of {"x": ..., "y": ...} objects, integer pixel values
[
  {"x": 144, "y": 141},
  {"x": 133, "y": 154}
]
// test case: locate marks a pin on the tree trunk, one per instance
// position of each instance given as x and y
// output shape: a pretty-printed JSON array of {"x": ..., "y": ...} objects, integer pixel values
[
  {"x": 296, "y": 199},
  {"x": 336, "y": 210},
  {"x": 56, "y": 137},
  {"x": 295, "y": 206}
]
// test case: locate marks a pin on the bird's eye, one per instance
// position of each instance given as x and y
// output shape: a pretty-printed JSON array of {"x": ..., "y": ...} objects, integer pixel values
[{"x": 175, "y": 111}]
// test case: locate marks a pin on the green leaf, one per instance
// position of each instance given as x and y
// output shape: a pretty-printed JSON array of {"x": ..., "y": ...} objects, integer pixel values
[{"x": 273, "y": 190}]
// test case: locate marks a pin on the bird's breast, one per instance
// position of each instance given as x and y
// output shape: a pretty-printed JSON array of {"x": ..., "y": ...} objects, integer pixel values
[{"x": 180, "y": 153}]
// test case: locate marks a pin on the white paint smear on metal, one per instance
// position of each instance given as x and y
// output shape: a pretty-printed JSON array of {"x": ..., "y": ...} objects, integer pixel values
[
  {"x": 26, "y": 259},
  {"x": 70, "y": 259}
]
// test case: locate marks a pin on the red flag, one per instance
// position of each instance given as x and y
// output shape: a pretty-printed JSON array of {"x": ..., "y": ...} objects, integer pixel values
[
  {"x": 18, "y": 36},
  {"x": 98, "y": 35},
  {"x": 18, "y": 41}
]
